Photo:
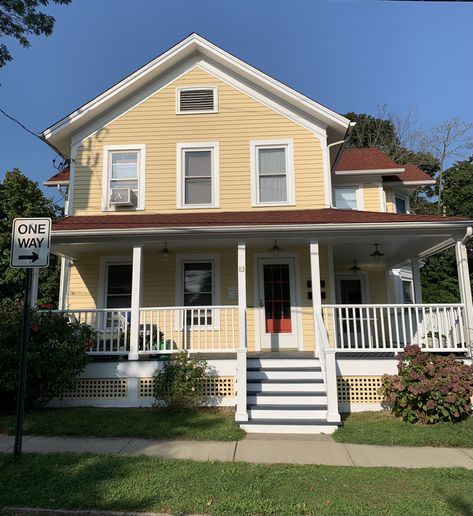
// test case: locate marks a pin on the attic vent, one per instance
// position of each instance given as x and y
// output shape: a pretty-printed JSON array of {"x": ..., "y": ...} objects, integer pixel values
[{"x": 197, "y": 100}]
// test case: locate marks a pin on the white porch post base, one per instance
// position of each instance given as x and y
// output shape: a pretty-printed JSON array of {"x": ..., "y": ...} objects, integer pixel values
[
  {"x": 136, "y": 295},
  {"x": 333, "y": 415},
  {"x": 241, "y": 412}
]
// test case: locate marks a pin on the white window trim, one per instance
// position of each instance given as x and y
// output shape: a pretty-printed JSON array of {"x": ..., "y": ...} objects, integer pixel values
[
  {"x": 215, "y": 180},
  {"x": 197, "y": 87},
  {"x": 405, "y": 198},
  {"x": 359, "y": 197},
  {"x": 290, "y": 181},
  {"x": 181, "y": 259},
  {"x": 106, "y": 176}
]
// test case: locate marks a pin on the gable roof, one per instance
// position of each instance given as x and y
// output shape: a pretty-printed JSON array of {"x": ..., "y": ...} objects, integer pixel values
[
  {"x": 412, "y": 175},
  {"x": 59, "y": 133},
  {"x": 60, "y": 178},
  {"x": 366, "y": 160}
]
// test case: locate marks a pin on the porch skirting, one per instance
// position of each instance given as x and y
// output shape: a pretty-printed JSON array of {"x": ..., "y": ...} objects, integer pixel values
[{"x": 129, "y": 383}]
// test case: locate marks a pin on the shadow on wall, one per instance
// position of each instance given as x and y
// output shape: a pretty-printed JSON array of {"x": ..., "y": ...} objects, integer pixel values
[{"x": 88, "y": 173}]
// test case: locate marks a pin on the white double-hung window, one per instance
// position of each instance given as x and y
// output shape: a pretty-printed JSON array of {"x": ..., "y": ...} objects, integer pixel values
[
  {"x": 347, "y": 197},
  {"x": 198, "y": 175},
  {"x": 123, "y": 177},
  {"x": 272, "y": 170}
]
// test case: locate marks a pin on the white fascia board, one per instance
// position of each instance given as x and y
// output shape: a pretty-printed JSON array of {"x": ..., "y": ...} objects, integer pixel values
[
  {"x": 290, "y": 228},
  {"x": 378, "y": 171},
  {"x": 409, "y": 183},
  {"x": 194, "y": 43},
  {"x": 55, "y": 183}
]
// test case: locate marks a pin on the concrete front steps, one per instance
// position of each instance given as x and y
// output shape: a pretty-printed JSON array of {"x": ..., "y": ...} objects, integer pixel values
[{"x": 286, "y": 396}]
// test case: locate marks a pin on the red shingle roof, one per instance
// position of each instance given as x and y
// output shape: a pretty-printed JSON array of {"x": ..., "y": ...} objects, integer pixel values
[
  {"x": 412, "y": 173},
  {"x": 365, "y": 159},
  {"x": 60, "y": 177},
  {"x": 240, "y": 218}
]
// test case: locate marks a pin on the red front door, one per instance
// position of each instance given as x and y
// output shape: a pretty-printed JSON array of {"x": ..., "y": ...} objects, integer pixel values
[{"x": 277, "y": 298}]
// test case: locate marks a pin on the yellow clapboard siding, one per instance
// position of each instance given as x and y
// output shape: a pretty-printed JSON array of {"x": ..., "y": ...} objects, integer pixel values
[
  {"x": 371, "y": 197},
  {"x": 240, "y": 120},
  {"x": 390, "y": 204}
]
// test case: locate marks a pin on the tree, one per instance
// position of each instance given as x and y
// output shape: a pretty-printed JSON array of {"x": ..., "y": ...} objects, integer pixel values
[
  {"x": 22, "y": 18},
  {"x": 21, "y": 197},
  {"x": 458, "y": 189},
  {"x": 447, "y": 140}
]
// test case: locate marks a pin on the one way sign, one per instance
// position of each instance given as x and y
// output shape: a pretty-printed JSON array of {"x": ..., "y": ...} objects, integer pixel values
[{"x": 31, "y": 241}]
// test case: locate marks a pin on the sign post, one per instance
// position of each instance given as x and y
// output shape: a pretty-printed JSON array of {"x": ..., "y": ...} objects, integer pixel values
[{"x": 30, "y": 247}]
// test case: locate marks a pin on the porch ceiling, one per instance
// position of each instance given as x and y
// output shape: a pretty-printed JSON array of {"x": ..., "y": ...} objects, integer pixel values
[{"x": 397, "y": 247}]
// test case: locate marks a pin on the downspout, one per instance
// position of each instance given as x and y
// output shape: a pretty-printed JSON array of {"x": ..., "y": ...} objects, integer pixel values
[
  {"x": 468, "y": 235},
  {"x": 340, "y": 142}
]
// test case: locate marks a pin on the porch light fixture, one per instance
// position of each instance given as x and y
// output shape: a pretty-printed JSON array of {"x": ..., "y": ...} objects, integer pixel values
[
  {"x": 165, "y": 252},
  {"x": 355, "y": 268},
  {"x": 376, "y": 254},
  {"x": 275, "y": 250}
]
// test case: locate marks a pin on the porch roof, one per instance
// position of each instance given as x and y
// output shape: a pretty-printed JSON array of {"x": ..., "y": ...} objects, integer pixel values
[{"x": 325, "y": 216}]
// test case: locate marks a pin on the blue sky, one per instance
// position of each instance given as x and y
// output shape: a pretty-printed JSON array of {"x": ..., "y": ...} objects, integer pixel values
[{"x": 351, "y": 55}]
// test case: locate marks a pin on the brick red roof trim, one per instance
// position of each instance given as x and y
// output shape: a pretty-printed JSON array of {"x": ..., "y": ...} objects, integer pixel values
[
  {"x": 300, "y": 217},
  {"x": 365, "y": 159},
  {"x": 60, "y": 177}
]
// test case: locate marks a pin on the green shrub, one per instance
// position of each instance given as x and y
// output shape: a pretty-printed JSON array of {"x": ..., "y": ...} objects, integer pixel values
[
  {"x": 56, "y": 355},
  {"x": 180, "y": 382},
  {"x": 429, "y": 388}
]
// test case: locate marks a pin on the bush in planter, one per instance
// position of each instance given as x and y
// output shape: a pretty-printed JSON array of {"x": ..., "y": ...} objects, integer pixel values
[
  {"x": 429, "y": 388},
  {"x": 179, "y": 383},
  {"x": 56, "y": 354}
]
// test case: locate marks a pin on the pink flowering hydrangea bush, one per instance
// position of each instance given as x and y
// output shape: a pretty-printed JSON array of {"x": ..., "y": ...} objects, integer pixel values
[{"x": 429, "y": 388}]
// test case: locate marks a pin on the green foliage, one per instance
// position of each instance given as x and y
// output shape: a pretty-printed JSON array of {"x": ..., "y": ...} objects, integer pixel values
[
  {"x": 371, "y": 131},
  {"x": 20, "y": 19},
  {"x": 56, "y": 354},
  {"x": 21, "y": 197},
  {"x": 179, "y": 384},
  {"x": 429, "y": 388},
  {"x": 439, "y": 279},
  {"x": 458, "y": 189}
]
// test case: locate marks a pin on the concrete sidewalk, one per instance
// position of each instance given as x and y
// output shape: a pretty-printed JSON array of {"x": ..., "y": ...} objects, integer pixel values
[{"x": 257, "y": 448}]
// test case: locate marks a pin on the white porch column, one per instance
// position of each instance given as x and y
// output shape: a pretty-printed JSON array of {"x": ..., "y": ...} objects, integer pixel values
[
  {"x": 464, "y": 284},
  {"x": 315, "y": 280},
  {"x": 241, "y": 401},
  {"x": 136, "y": 300},
  {"x": 416, "y": 280}
]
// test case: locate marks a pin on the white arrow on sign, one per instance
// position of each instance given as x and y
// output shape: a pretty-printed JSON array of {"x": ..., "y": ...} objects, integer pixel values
[{"x": 31, "y": 243}]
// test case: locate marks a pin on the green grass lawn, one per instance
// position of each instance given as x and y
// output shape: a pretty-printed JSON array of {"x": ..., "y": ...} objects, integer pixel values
[
  {"x": 385, "y": 429},
  {"x": 150, "y": 484},
  {"x": 153, "y": 423}
]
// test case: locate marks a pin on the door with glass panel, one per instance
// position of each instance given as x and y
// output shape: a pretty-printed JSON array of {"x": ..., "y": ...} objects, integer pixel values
[
  {"x": 118, "y": 296},
  {"x": 277, "y": 304}
]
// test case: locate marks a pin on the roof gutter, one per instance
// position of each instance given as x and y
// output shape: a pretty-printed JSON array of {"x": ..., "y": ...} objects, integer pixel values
[{"x": 349, "y": 130}]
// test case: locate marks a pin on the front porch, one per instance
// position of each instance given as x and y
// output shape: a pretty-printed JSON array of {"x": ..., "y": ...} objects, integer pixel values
[{"x": 299, "y": 298}]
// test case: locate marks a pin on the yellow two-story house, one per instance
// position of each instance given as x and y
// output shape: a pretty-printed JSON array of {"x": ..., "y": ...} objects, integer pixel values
[{"x": 212, "y": 209}]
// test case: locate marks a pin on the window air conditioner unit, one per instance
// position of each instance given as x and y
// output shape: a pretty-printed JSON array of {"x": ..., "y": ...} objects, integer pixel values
[{"x": 121, "y": 197}]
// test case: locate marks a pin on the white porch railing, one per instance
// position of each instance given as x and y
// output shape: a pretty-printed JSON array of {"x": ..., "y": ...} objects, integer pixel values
[
  {"x": 358, "y": 328},
  {"x": 199, "y": 329},
  {"x": 112, "y": 327}
]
